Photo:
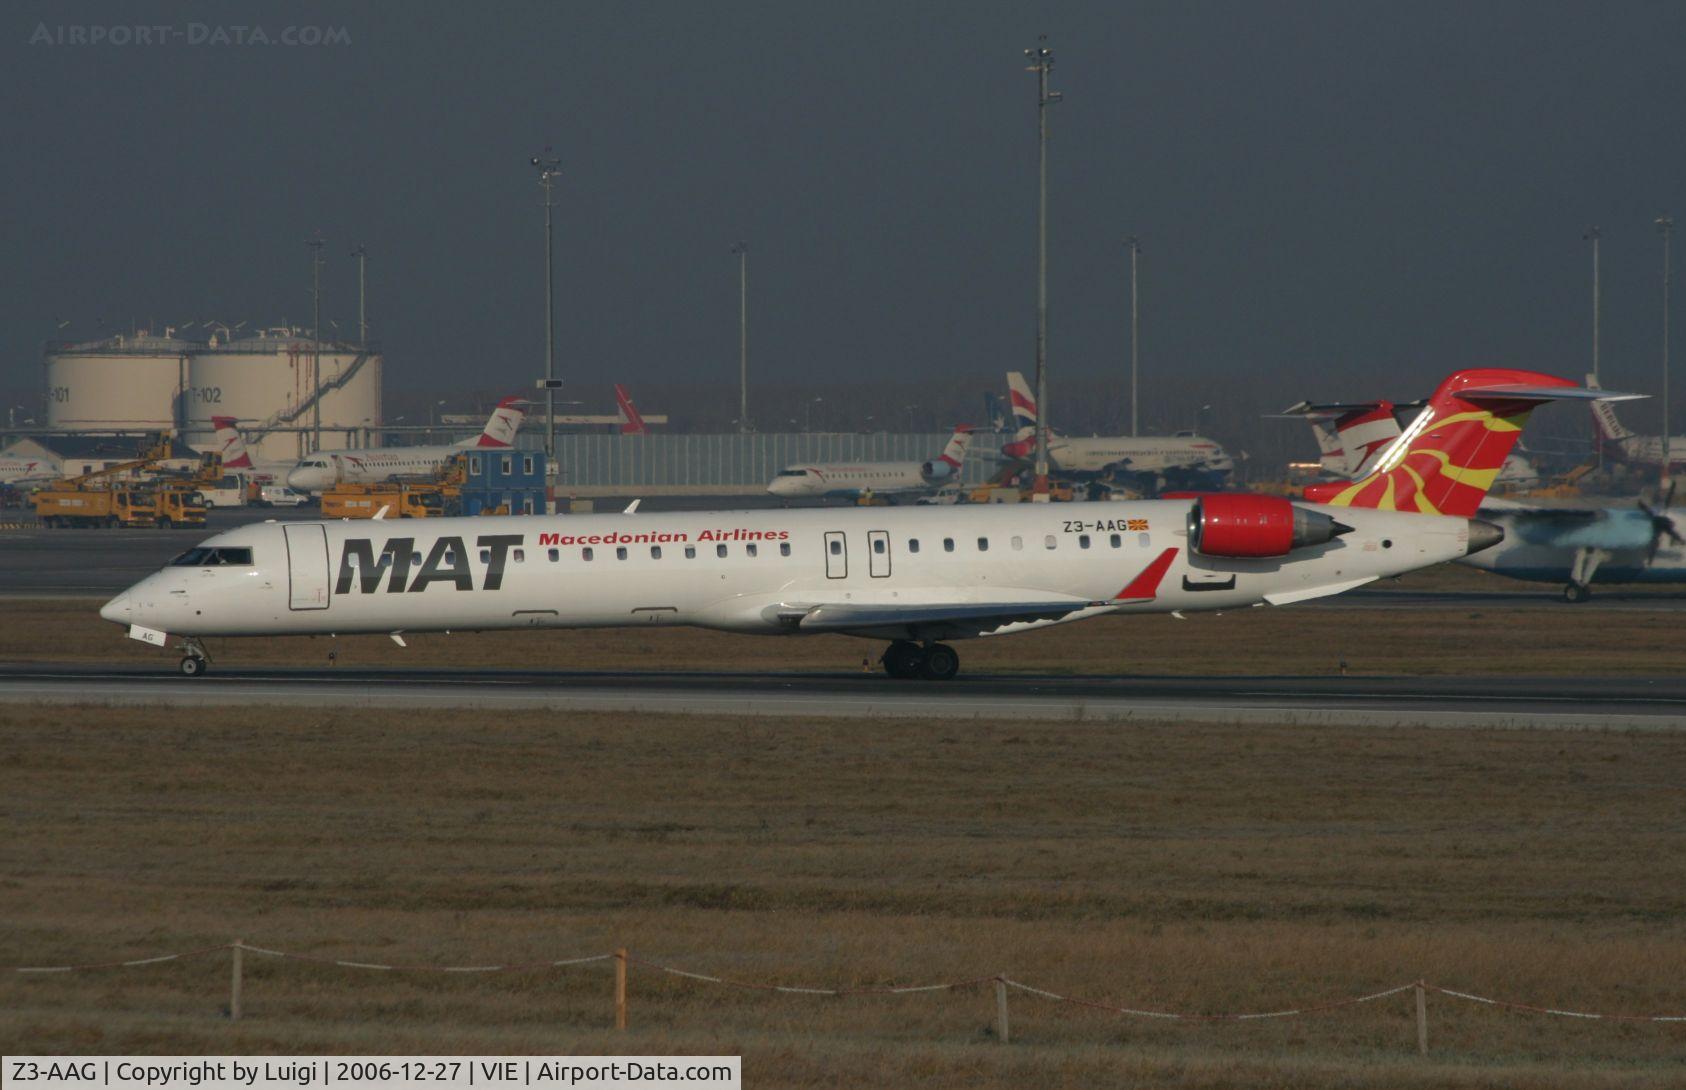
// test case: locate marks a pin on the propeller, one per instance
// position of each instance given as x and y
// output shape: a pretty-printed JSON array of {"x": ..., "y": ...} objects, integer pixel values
[{"x": 1661, "y": 524}]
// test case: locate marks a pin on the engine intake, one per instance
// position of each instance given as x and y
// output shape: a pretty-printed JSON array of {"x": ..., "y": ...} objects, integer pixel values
[
  {"x": 1243, "y": 526},
  {"x": 936, "y": 470}
]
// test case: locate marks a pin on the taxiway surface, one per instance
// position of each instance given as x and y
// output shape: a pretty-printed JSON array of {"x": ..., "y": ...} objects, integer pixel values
[{"x": 1531, "y": 702}]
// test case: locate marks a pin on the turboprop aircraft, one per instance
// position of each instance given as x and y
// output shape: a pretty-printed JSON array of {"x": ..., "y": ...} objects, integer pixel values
[{"x": 913, "y": 576}]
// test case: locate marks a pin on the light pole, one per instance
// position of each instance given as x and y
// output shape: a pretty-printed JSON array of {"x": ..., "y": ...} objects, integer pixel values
[
  {"x": 742, "y": 250},
  {"x": 1135, "y": 245},
  {"x": 315, "y": 245},
  {"x": 1041, "y": 62},
  {"x": 1665, "y": 227},
  {"x": 808, "y": 414},
  {"x": 362, "y": 256},
  {"x": 1593, "y": 234},
  {"x": 548, "y": 170}
]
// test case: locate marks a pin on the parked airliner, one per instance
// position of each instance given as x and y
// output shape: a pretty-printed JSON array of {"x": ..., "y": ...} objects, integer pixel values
[
  {"x": 876, "y": 478},
  {"x": 913, "y": 576},
  {"x": 326, "y": 468}
]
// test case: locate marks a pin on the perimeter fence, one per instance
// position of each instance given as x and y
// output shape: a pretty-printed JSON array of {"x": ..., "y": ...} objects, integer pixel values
[{"x": 622, "y": 960}]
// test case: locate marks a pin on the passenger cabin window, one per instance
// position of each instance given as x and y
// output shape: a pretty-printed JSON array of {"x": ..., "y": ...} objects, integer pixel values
[
  {"x": 836, "y": 548},
  {"x": 655, "y": 552},
  {"x": 912, "y": 544},
  {"x": 983, "y": 544},
  {"x": 1049, "y": 541},
  {"x": 585, "y": 553},
  {"x": 555, "y": 555},
  {"x": 485, "y": 556},
  {"x": 750, "y": 549},
  {"x": 720, "y": 550},
  {"x": 1143, "y": 540},
  {"x": 450, "y": 558},
  {"x": 1018, "y": 543},
  {"x": 784, "y": 548},
  {"x": 520, "y": 555},
  {"x": 620, "y": 552},
  {"x": 1082, "y": 541},
  {"x": 878, "y": 546},
  {"x": 1117, "y": 541},
  {"x": 690, "y": 552},
  {"x": 948, "y": 544}
]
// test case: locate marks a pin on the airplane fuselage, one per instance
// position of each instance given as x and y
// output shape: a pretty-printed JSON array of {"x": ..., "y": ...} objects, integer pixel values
[
  {"x": 750, "y": 571},
  {"x": 855, "y": 479}
]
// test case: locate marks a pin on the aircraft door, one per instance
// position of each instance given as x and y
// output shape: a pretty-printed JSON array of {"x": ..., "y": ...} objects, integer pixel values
[
  {"x": 836, "y": 555},
  {"x": 307, "y": 567},
  {"x": 878, "y": 553}
]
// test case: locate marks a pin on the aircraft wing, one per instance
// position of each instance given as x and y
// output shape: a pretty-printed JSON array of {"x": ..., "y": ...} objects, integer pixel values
[{"x": 978, "y": 616}]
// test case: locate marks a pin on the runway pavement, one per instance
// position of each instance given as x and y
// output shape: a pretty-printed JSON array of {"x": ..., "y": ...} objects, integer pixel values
[{"x": 1538, "y": 703}]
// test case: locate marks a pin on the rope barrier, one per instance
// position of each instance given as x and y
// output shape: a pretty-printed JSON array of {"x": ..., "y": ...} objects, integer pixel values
[
  {"x": 1530, "y": 1009},
  {"x": 792, "y": 990},
  {"x": 1179, "y": 1017},
  {"x": 910, "y": 989}
]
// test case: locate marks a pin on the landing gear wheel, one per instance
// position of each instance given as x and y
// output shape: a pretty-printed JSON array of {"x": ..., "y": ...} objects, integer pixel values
[
  {"x": 1576, "y": 593},
  {"x": 902, "y": 659},
  {"x": 940, "y": 664},
  {"x": 192, "y": 666}
]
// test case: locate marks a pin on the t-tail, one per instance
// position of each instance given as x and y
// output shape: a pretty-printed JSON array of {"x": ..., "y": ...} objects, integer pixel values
[
  {"x": 1024, "y": 417},
  {"x": 500, "y": 429},
  {"x": 230, "y": 445},
  {"x": 1351, "y": 435},
  {"x": 1447, "y": 458},
  {"x": 631, "y": 422},
  {"x": 1610, "y": 430}
]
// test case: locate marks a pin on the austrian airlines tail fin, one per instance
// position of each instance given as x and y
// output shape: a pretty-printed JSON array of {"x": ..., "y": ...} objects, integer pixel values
[
  {"x": 1444, "y": 462},
  {"x": 955, "y": 452},
  {"x": 1604, "y": 418},
  {"x": 500, "y": 429},
  {"x": 230, "y": 445},
  {"x": 631, "y": 422}
]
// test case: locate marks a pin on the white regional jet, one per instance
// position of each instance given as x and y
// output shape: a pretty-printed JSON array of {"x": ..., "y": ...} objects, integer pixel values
[
  {"x": 22, "y": 471},
  {"x": 326, "y": 468},
  {"x": 914, "y": 576},
  {"x": 876, "y": 478},
  {"x": 1150, "y": 462}
]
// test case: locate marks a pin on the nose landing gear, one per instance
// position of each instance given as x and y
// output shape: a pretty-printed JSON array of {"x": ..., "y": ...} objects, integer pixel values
[
  {"x": 934, "y": 662},
  {"x": 195, "y": 661}
]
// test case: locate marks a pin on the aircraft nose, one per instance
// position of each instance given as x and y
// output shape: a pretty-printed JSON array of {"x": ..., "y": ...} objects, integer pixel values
[
  {"x": 300, "y": 480},
  {"x": 1483, "y": 535},
  {"x": 118, "y": 609}
]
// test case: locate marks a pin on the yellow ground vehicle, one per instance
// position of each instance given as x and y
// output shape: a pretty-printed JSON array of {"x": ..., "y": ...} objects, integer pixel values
[
  {"x": 401, "y": 500},
  {"x": 126, "y": 494}
]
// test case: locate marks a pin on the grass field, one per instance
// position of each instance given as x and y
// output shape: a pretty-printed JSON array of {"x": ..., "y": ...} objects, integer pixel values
[{"x": 1198, "y": 868}]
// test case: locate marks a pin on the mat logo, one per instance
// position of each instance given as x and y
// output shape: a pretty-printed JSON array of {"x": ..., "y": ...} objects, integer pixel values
[{"x": 362, "y": 569}]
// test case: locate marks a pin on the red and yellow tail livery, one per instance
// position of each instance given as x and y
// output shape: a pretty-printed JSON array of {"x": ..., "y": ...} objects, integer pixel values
[{"x": 1449, "y": 456}]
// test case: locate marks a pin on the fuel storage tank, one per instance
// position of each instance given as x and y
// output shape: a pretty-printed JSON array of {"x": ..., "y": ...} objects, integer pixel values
[
  {"x": 130, "y": 382},
  {"x": 268, "y": 383}
]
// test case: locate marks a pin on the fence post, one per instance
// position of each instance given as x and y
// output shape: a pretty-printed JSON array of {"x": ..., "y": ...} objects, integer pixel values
[
  {"x": 1001, "y": 1029},
  {"x": 620, "y": 988},
  {"x": 234, "y": 983},
  {"x": 1422, "y": 1019}
]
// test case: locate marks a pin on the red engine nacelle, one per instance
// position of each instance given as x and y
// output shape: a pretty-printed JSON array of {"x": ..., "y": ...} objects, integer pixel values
[{"x": 1242, "y": 526}]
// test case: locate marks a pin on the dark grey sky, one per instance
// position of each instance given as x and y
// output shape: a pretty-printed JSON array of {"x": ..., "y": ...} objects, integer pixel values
[{"x": 1350, "y": 198}]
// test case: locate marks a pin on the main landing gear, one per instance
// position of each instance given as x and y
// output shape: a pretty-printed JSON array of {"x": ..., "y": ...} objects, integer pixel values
[
  {"x": 932, "y": 662},
  {"x": 194, "y": 660}
]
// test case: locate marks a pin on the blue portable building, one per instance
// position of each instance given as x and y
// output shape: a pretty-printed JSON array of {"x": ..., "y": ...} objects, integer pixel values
[{"x": 507, "y": 478}]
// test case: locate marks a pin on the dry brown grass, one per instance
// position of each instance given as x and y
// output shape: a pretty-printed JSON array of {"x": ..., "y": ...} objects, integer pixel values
[
  {"x": 1577, "y": 640},
  {"x": 1192, "y": 867}
]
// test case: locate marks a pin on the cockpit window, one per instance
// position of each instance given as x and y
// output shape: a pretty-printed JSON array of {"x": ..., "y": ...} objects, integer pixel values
[
  {"x": 224, "y": 557},
  {"x": 793, "y": 473}
]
